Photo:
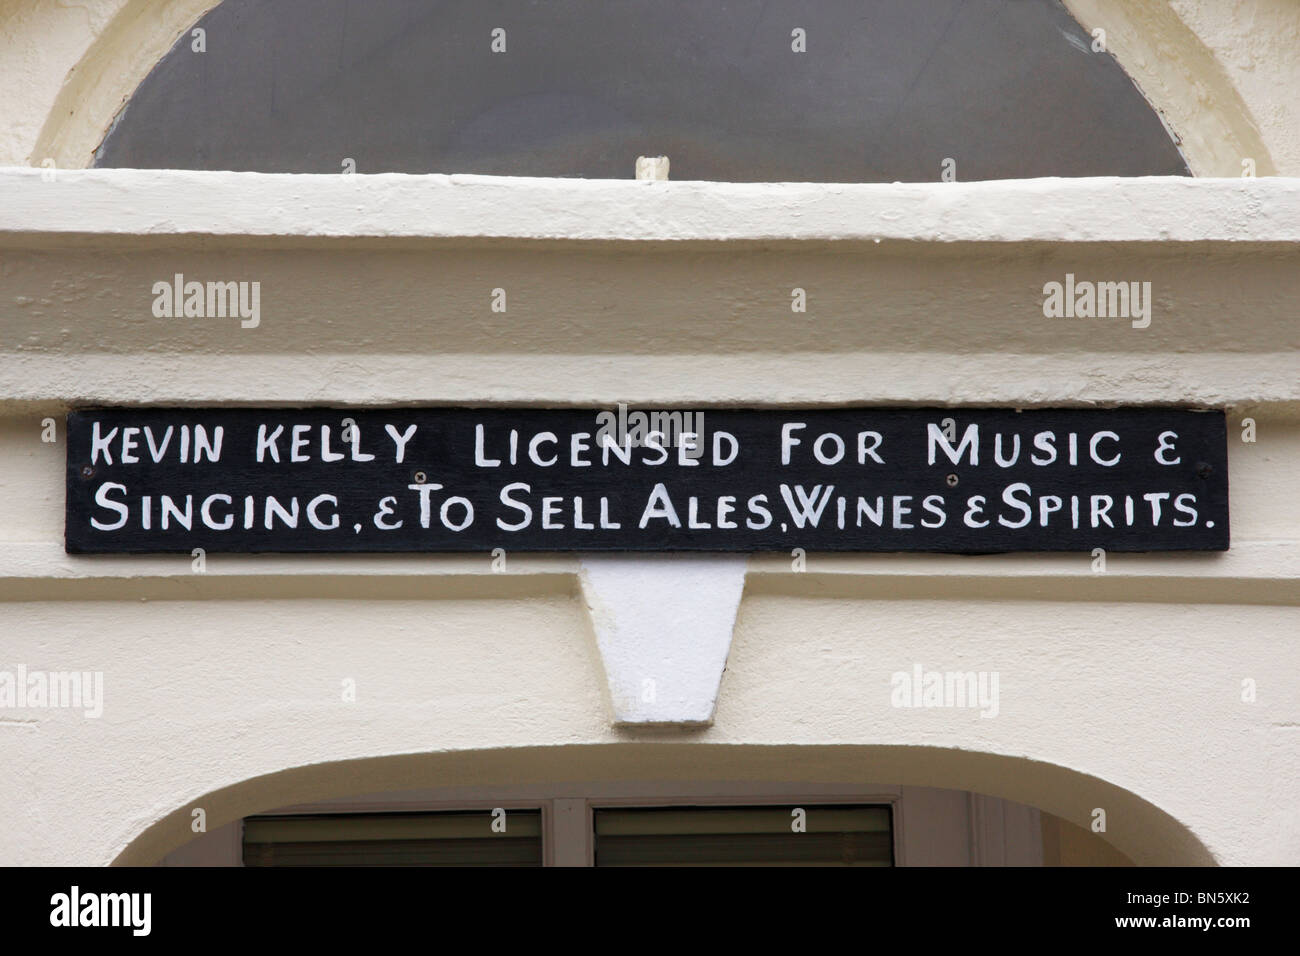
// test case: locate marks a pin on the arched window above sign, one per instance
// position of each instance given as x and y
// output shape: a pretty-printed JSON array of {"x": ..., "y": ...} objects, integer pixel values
[{"x": 832, "y": 91}]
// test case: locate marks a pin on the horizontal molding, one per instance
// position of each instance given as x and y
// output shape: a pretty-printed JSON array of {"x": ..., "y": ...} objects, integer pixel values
[
  {"x": 1110, "y": 209},
  {"x": 29, "y": 381},
  {"x": 40, "y": 571},
  {"x": 1253, "y": 572}
]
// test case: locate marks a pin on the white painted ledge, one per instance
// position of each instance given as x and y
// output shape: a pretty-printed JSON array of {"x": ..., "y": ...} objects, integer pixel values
[
  {"x": 1010, "y": 377},
  {"x": 1254, "y": 571},
  {"x": 178, "y": 202}
]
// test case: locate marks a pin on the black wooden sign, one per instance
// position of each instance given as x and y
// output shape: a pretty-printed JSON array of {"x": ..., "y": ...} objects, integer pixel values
[{"x": 466, "y": 479}]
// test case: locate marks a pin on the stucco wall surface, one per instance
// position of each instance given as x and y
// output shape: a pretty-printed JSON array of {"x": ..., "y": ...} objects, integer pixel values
[{"x": 1122, "y": 690}]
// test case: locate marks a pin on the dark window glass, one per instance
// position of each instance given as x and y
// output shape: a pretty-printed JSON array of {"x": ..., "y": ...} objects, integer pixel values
[
  {"x": 395, "y": 839},
  {"x": 744, "y": 836},
  {"x": 886, "y": 90}
]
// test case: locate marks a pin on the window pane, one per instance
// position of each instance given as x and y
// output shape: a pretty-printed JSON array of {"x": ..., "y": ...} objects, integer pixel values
[
  {"x": 744, "y": 836},
  {"x": 394, "y": 839},
  {"x": 807, "y": 90}
]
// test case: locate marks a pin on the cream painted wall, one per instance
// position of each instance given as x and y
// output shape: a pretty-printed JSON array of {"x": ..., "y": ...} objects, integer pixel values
[
  {"x": 1121, "y": 690},
  {"x": 66, "y": 68},
  {"x": 1223, "y": 76},
  {"x": 1144, "y": 695}
]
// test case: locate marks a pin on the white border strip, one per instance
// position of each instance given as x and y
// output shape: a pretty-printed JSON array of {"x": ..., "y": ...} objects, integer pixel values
[{"x": 178, "y": 202}]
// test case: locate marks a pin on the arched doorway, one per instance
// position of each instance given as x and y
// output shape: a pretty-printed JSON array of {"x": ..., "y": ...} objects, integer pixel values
[{"x": 947, "y": 807}]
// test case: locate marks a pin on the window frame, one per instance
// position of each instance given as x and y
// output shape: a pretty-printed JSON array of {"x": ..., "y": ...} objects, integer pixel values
[{"x": 924, "y": 821}]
